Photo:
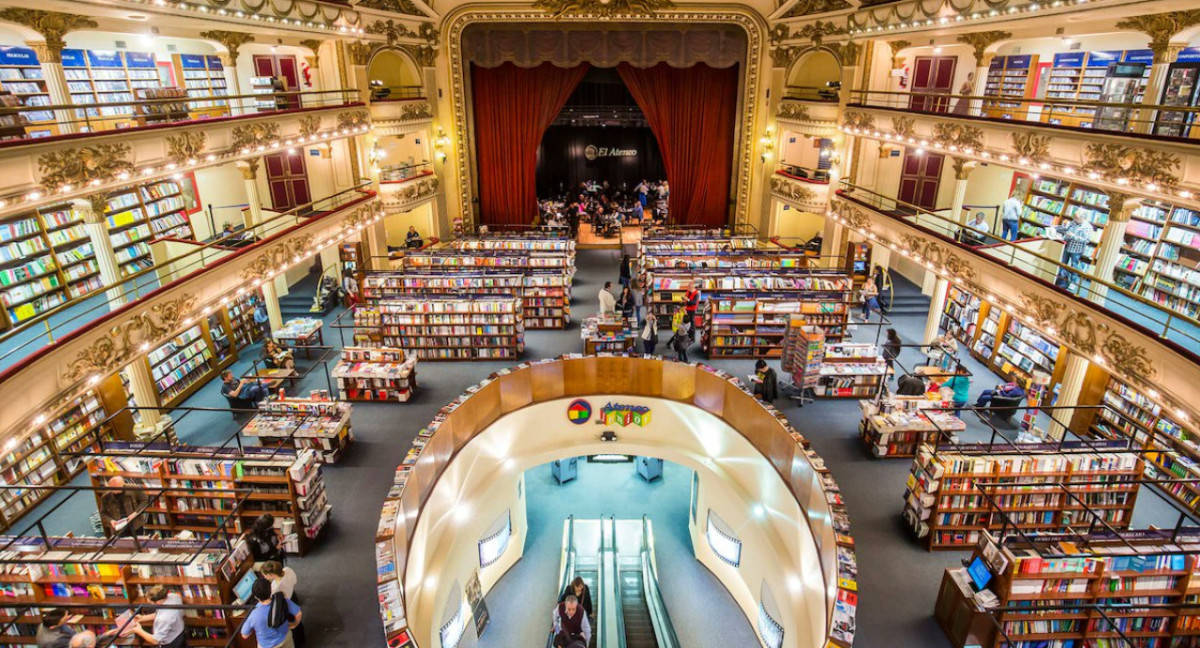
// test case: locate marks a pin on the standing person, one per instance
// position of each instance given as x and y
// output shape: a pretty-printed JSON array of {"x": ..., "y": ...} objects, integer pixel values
[
  {"x": 269, "y": 630},
  {"x": 168, "y": 623},
  {"x": 1076, "y": 235},
  {"x": 650, "y": 335},
  {"x": 582, "y": 593},
  {"x": 1010, "y": 217},
  {"x": 891, "y": 350},
  {"x": 283, "y": 580},
  {"x": 121, "y": 509},
  {"x": 571, "y": 620},
  {"x": 266, "y": 541},
  {"x": 625, "y": 303},
  {"x": 53, "y": 631},
  {"x": 413, "y": 240},
  {"x": 964, "y": 104},
  {"x": 870, "y": 298},
  {"x": 960, "y": 385},
  {"x": 882, "y": 281},
  {"x": 642, "y": 194},
  {"x": 682, "y": 339},
  {"x": 766, "y": 385},
  {"x": 691, "y": 301},
  {"x": 608, "y": 303},
  {"x": 626, "y": 271},
  {"x": 639, "y": 300}
]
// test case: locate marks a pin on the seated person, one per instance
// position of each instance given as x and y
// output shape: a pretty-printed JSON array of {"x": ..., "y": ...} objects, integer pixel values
[
  {"x": 241, "y": 393},
  {"x": 1007, "y": 390},
  {"x": 977, "y": 230},
  {"x": 910, "y": 385},
  {"x": 277, "y": 356}
]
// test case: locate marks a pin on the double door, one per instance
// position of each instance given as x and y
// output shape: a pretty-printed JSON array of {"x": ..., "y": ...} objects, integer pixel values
[
  {"x": 283, "y": 68},
  {"x": 933, "y": 80}
]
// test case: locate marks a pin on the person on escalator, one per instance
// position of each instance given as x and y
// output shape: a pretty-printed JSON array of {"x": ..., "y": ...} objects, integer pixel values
[
  {"x": 571, "y": 620},
  {"x": 582, "y": 593}
]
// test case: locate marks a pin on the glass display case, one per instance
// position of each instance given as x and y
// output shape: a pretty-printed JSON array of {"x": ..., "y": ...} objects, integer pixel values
[
  {"x": 1180, "y": 90},
  {"x": 1121, "y": 87}
]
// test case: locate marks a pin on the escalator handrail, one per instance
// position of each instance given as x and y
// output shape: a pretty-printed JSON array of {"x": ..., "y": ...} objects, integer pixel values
[
  {"x": 660, "y": 619},
  {"x": 616, "y": 570},
  {"x": 568, "y": 571}
]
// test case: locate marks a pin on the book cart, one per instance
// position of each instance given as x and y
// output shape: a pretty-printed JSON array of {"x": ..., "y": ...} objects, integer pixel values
[
  {"x": 1111, "y": 587},
  {"x": 607, "y": 335},
  {"x": 376, "y": 374},
  {"x": 101, "y": 578},
  {"x": 443, "y": 328},
  {"x": 851, "y": 371},
  {"x": 803, "y": 352},
  {"x": 955, "y": 491},
  {"x": 285, "y": 482}
]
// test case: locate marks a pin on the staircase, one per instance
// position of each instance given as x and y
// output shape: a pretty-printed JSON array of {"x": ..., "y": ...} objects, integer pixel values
[
  {"x": 639, "y": 631},
  {"x": 907, "y": 298},
  {"x": 293, "y": 306}
]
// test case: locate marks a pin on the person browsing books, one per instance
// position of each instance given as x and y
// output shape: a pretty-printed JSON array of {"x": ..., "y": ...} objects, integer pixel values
[
  {"x": 83, "y": 639},
  {"x": 766, "y": 385},
  {"x": 283, "y": 580},
  {"x": 268, "y": 621},
  {"x": 121, "y": 509},
  {"x": 167, "y": 623},
  {"x": 53, "y": 631}
]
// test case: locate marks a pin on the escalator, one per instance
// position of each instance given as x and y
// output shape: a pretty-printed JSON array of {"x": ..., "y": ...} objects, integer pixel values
[{"x": 639, "y": 627}]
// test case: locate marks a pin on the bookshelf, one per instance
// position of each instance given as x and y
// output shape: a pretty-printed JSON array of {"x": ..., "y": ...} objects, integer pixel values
[
  {"x": 536, "y": 246},
  {"x": 1050, "y": 201},
  {"x": 756, "y": 327},
  {"x": 375, "y": 374},
  {"x": 943, "y": 506},
  {"x": 606, "y": 335},
  {"x": 651, "y": 246},
  {"x": 441, "y": 328},
  {"x": 31, "y": 281},
  {"x": 21, "y": 75},
  {"x": 183, "y": 364},
  {"x": 1009, "y": 77},
  {"x": 322, "y": 426},
  {"x": 545, "y": 294},
  {"x": 897, "y": 425},
  {"x": 79, "y": 570},
  {"x": 203, "y": 76},
  {"x": 803, "y": 353},
  {"x": 142, "y": 214},
  {"x": 1171, "y": 276},
  {"x": 851, "y": 371},
  {"x": 1023, "y": 352},
  {"x": 286, "y": 483},
  {"x": 99, "y": 77},
  {"x": 240, "y": 311},
  {"x": 666, "y": 288},
  {"x": 961, "y": 314}
]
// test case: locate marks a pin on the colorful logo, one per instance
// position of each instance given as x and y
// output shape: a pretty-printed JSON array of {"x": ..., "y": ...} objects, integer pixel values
[
  {"x": 579, "y": 411},
  {"x": 624, "y": 415}
]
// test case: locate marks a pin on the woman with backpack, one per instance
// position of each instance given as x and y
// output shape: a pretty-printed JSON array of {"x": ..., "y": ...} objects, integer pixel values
[
  {"x": 682, "y": 340},
  {"x": 272, "y": 619}
]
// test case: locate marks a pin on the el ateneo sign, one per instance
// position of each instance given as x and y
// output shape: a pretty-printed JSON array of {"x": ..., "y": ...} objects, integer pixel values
[
  {"x": 579, "y": 411},
  {"x": 593, "y": 152}
]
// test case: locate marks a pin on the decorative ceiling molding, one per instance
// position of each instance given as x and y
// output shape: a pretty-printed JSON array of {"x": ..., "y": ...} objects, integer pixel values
[
  {"x": 856, "y": 119},
  {"x": 84, "y": 166},
  {"x": 817, "y": 31},
  {"x": 1029, "y": 144},
  {"x": 950, "y": 135},
  {"x": 812, "y": 7},
  {"x": 309, "y": 125},
  {"x": 980, "y": 41},
  {"x": 351, "y": 119},
  {"x": 904, "y": 126},
  {"x": 359, "y": 52},
  {"x": 281, "y": 255},
  {"x": 1135, "y": 165},
  {"x": 391, "y": 29},
  {"x": 1161, "y": 28},
  {"x": 896, "y": 47},
  {"x": 793, "y": 111},
  {"x": 313, "y": 44},
  {"x": 406, "y": 7},
  {"x": 52, "y": 25},
  {"x": 603, "y": 8},
  {"x": 231, "y": 41},
  {"x": 187, "y": 145},
  {"x": 123, "y": 343}
]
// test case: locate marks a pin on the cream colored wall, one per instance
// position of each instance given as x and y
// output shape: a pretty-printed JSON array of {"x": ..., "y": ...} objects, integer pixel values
[
  {"x": 988, "y": 185},
  {"x": 814, "y": 70},
  {"x": 794, "y": 225},
  {"x": 397, "y": 224},
  {"x": 1046, "y": 48},
  {"x": 778, "y": 546},
  {"x": 402, "y": 149},
  {"x": 138, "y": 40},
  {"x": 222, "y": 187},
  {"x": 393, "y": 69},
  {"x": 800, "y": 152}
]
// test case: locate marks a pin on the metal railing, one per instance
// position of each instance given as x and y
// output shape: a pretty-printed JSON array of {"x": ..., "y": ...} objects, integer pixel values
[
  {"x": 44, "y": 329},
  {"x": 664, "y": 630},
  {"x": 24, "y": 123},
  {"x": 405, "y": 172},
  {"x": 1156, "y": 319},
  {"x": 568, "y": 565},
  {"x": 396, "y": 93},
  {"x": 1119, "y": 118},
  {"x": 823, "y": 94}
]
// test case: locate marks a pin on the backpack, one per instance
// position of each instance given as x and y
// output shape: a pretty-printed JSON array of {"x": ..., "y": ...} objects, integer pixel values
[{"x": 279, "y": 613}]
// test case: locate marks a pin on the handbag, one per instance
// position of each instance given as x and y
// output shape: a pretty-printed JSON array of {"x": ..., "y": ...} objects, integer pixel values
[{"x": 279, "y": 614}]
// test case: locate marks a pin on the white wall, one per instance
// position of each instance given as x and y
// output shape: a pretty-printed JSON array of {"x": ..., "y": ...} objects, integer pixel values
[
  {"x": 794, "y": 225},
  {"x": 140, "y": 40},
  {"x": 397, "y": 224},
  {"x": 222, "y": 187}
]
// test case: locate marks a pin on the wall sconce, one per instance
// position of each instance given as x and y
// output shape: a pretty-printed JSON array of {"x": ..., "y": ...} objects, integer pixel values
[
  {"x": 768, "y": 145},
  {"x": 441, "y": 142}
]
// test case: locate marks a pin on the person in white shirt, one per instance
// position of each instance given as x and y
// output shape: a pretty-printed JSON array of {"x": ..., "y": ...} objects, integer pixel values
[
  {"x": 1010, "y": 217},
  {"x": 283, "y": 579},
  {"x": 977, "y": 224},
  {"x": 608, "y": 301},
  {"x": 168, "y": 623}
]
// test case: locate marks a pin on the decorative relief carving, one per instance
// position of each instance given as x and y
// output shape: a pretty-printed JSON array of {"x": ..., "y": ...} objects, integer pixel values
[
  {"x": 811, "y": 7},
  {"x": 791, "y": 190},
  {"x": 846, "y": 53},
  {"x": 277, "y": 256},
  {"x": 416, "y": 111},
  {"x": 939, "y": 254},
  {"x": 52, "y": 25},
  {"x": 783, "y": 55},
  {"x": 309, "y": 125},
  {"x": 423, "y": 55},
  {"x": 359, "y": 52},
  {"x": 856, "y": 119},
  {"x": 817, "y": 31},
  {"x": 980, "y": 41},
  {"x": 231, "y": 40},
  {"x": 960, "y": 135},
  {"x": 187, "y": 145},
  {"x": 417, "y": 190},
  {"x": 353, "y": 119},
  {"x": 1136, "y": 165},
  {"x": 406, "y": 7},
  {"x": 80, "y": 166},
  {"x": 962, "y": 167},
  {"x": 896, "y": 46},
  {"x": 1079, "y": 330},
  {"x": 254, "y": 135},
  {"x": 313, "y": 44},
  {"x": 904, "y": 126},
  {"x": 1161, "y": 28},
  {"x": 122, "y": 343},
  {"x": 853, "y": 216},
  {"x": 1031, "y": 145},
  {"x": 391, "y": 30},
  {"x": 794, "y": 111},
  {"x": 603, "y": 8},
  {"x": 777, "y": 35}
]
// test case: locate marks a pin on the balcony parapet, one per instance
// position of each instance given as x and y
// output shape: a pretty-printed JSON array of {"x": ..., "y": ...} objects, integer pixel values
[
  {"x": 805, "y": 196},
  {"x": 294, "y": 16},
  {"x": 1148, "y": 360},
  {"x": 401, "y": 117},
  {"x": 809, "y": 118},
  {"x": 407, "y": 195},
  {"x": 60, "y": 370}
]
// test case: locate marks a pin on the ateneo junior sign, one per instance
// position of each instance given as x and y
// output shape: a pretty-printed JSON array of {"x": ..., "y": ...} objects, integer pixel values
[
  {"x": 580, "y": 412},
  {"x": 593, "y": 152}
]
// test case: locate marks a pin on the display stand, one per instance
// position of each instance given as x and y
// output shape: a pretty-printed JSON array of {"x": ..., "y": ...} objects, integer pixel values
[
  {"x": 851, "y": 371},
  {"x": 300, "y": 423},
  {"x": 546, "y": 294},
  {"x": 376, "y": 374},
  {"x": 607, "y": 335},
  {"x": 896, "y": 426}
]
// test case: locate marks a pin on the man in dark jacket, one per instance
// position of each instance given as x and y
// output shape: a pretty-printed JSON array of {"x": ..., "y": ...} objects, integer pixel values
[
  {"x": 910, "y": 385},
  {"x": 582, "y": 593},
  {"x": 571, "y": 620},
  {"x": 120, "y": 509},
  {"x": 766, "y": 387}
]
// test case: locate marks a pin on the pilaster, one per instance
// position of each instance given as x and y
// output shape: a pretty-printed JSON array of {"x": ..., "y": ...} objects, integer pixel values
[{"x": 92, "y": 213}]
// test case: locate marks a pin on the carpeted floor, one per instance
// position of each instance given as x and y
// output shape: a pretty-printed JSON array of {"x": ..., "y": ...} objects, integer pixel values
[{"x": 897, "y": 579}]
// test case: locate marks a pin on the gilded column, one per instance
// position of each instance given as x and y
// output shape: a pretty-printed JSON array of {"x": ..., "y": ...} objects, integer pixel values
[
  {"x": 92, "y": 213},
  {"x": 962, "y": 172},
  {"x": 1068, "y": 394},
  {"x": 1163, "y": 58},
  {"x": 980, "y": 42},
  {"x": 936, "y": 306},
  {"x": 1120, "y": 208},
  {"x": 249, "y": 169},
  {"x": 50, "y": 59},
  {"x": 232, "y": 42},
  {"x": 144, "y": 391},
  {"x": 980, "y": 85}
]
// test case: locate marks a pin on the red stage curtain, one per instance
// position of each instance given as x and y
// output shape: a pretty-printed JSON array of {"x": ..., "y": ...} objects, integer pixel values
[
  {"x": 691, "y": 111},
  {"x": 513, "y": 108}
]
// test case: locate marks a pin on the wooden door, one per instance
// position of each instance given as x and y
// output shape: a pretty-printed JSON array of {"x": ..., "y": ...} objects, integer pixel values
[
  {"x": 932, "y": 75},
  {"x": 283, "y": 68},
  {"x": 920, "y": 177},
  {"x": 287, "y": 181}
]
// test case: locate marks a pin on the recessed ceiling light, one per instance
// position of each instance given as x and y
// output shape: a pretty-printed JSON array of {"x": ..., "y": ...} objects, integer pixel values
[{"x": 136, "y": 16}]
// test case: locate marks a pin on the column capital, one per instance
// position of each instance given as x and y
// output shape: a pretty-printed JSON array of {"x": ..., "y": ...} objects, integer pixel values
[
  {"x": 52, "y": 25},
  {"x": 962, "y": 168},
  {"x": 1161, "y": 28},
  {"x": 980, "y": 41},
  {"x": 91, "y": 208},
  {"x": 227, "y": 61},
  {"x": 1121, "y": 206},
  {"x": 232, "y": 41},
  {"x": 248, "y": 167}
]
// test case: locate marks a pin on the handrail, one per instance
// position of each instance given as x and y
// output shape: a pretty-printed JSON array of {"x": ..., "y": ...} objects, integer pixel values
[
  {"x": 150, "y": 279},
  {"x": 618, "y": 607},
  {"x": 822, "y": 94},
  {"x": 568, "y": 566},
  {"x": 1036, "y": 110},
  {"x": 1014, "y": 255},
  {"x": 664, "y": 630}
]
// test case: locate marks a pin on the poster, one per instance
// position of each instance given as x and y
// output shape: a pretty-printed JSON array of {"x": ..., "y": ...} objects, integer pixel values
[
  {"x": 478, "y": 607},
  {"x": 189, "y": 193}
]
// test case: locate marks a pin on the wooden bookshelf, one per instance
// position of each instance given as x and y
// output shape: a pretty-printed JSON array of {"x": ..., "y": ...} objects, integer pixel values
[
  {"x": 322, "y": 426},
  {"x": 240, "y": 314},
  {"x": 545, "y": 294},
  {"x": 286, "y": 483},
  {"x": 448, "y": 258},
  {"x": 1053, "y": 202},
  {"x": 78, "y": 570},
  {"x": 756, "y": 327},
  {"x": 203, "y": 76},
  {"x": 1009, "y": 77},
  {"x": 439, "y": 328},
  {"x": 531, "y": 245},
  {"x": 656, "y": 245},
  {"x": 96, "y": 78},
  {"x": 945, "y": 509},
  {"x": 376, "y": 374},
  {"x": 185, "y": 363},
  {"x": 851, "y": 371},
  {"x": 21, "y": 75},
  {"x": 666, "y": 287}
]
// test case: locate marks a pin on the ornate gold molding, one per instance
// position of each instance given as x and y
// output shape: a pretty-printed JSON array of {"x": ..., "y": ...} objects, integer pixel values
[
  {"x": 962, "y": 167},
  {"x": 812, "y": 7},
  {"x": 122, "y": 343},
  {"x": 818, "y": 30},
  {"x": 251, "y": 136},
  {"x": 359, "y": 52},
  {"x": 391, "y": 29},
  {"x": 603, "y": 8},
  {"x": 896, "y": 46},
  {"x": 185, "y": 146},
  {"x": 1140, "y": 166},
  {"x": 791, "y": 190},
  {"x": 857, "y": 119},
  {"x": 846, "y": 53},
  {"x": 353, "y": 119},
  {"x": 980, "y": 41},
  {"x": 309, "y": 125},
  {"x": 793, "y": 111},
  {"x": 417, "y": 190},
  {"x": 406, "y": 7},
  {"x": 313, "y": 44},
  {"x": 416, "y": 111},
  {"x": 904, "y": 126},
  {"x": 52, "y": 25},
  {"x": 1079, "y": 330},
  {"x": 274, "y": 257},
  {"x": 940, "y": 255},
  {"x": 423, "y": 55},
  {"x": 249, "y": 168},
  {"x": 958, "y": 135},
  {"x": 232, "y": 41},
  {"x": 80, "y": 166},
  {"x": 1031, "y": 145},
  {"x": 1161, "y": 28}
]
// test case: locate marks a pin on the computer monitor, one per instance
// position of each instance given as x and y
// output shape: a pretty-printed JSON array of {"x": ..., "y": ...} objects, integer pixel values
[
  {"x": 980, "y": 574},
  {"x": 244, "y": 590}
]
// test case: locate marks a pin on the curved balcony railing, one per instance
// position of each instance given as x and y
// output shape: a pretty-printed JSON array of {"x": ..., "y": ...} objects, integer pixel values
[
  {"x": 1024, "y": 255},
  {"x": 400, "y": 173},
  {"x": 1170, "y": 122},
  {"x": 184, "y": 258},
  {"x": 820, "y": 94},
  {"x": 19, "y": 124}
]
